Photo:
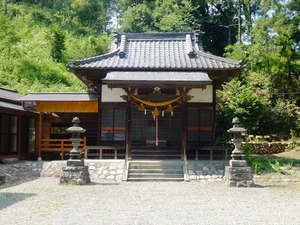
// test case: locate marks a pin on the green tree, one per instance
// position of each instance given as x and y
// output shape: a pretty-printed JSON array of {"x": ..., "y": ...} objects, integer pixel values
[
  {"x": 137, "y": 19},
  {"x": 173, "y": 15},
  {"x": 8, "y": 37},
  {"x": 91, "y": 13},
  {"x": 57, "y": 39},
  {"x": 215, "y": 20},
  {"x": 272, "y": 62},
  {"x": 146, "y": 16},
  {"x": 239, "y": 100}
]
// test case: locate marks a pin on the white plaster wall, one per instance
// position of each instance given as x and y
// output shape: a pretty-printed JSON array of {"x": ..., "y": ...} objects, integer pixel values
[
  {"x": 112, "y": 95},
  {"x": 199, "y": 94},
  {"x": 202, "y": 95}
]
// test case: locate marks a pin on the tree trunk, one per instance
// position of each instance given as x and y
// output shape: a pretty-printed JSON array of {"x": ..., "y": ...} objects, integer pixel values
[{"x": 5, "y": 6}]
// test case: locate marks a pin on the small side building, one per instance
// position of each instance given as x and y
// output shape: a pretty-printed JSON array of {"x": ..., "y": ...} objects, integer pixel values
[{"x": 17, "y": 127}]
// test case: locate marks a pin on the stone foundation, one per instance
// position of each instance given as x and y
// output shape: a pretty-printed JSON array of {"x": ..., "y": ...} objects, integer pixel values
[
  {"x": 98, "y": 169},
  {"x": 206, "y": 170},
  {"x": 75, "y": 175},
  {"x": 107, "y": 170},
  {"x": 238, "y": 174}
]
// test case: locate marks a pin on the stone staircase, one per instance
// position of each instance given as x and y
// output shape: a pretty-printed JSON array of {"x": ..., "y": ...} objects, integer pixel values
[
  {"x": 150, "y": 170},
  {"x": 156, "y": 153}
]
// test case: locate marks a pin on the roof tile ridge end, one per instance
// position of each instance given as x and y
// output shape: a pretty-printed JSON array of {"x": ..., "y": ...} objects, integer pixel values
[
  {"x": 122, "y": 46},
  {"x": 92, "y": 59},
  {"x": 189, "y": 46},
  {"x": 209, "y": 55}
]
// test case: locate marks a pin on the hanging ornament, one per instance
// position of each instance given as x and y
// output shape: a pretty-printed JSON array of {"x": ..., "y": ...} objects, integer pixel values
[
  {"x": 163, "y": 113},
  {"x": 156, "y": 112},
  {"x": 141, "y": 107},
  {"x": 169, "y": 109}
]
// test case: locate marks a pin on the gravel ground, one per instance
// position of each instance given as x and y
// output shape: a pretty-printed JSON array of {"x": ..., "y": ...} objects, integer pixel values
[{"x": 45, "y": 201}]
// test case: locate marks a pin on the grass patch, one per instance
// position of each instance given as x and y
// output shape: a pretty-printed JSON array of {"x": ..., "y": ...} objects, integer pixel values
[
  {"x": 264, "y": 164},
  {"x": 268, "y": 164}
]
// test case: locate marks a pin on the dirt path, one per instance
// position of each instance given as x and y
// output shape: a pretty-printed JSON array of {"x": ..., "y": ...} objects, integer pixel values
[
  {"x": 292, "y": 154},
  {"x": 44, "y": 201}
]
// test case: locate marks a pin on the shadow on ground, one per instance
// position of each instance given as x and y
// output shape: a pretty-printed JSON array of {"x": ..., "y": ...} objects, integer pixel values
[{"x": 10, "y": 198}]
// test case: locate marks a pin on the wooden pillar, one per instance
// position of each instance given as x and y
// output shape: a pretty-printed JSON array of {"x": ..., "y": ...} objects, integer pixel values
[
  {"x": 184, "y": 130},
  {"x": 128, "y": 127},
  {"x": 99, "y": 113},
  {"x": 214, "y": 121},
  {"x": 50, "y": 124},
  {"x": 40, "y": 136},
  {"x": 19, "y": 136}
]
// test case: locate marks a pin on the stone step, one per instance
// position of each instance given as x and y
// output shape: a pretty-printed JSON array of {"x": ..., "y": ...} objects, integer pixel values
[
  {"x": 156, "y": 156},
  {"x": 155, "y": 165},
  {"x": 158, "y": 173},
  {"x": 156, "y": 153},
  {"x": 155, "y": 170},
  {"x": 156, "y": 179},
  {"x": 151, "y": 172}
]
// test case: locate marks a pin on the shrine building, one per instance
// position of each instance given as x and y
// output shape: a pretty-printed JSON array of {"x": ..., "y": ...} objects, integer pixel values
[{"x": 152, "y": 96}]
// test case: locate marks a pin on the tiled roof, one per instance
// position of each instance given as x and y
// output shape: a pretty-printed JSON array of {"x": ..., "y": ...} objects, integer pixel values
[
  {"x": 156, "y": 51},
  {"x": 9, "y": 95},
  {"x": 9, "y": 99},
  {"x": 60, "y": 97}
]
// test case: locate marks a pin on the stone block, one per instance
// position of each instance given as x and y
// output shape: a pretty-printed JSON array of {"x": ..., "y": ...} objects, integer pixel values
[
  {"x": 201, "y": 177},
  {"x": 2, "y": 179},
  {"x": 237, "y": 163},
  {"x": 230, "y": 183},
  {"x": 250, "y": 183},
  {"x": 10, "y": 160},
  {"x": 239, "y": 177},
  {"x": 75, "y": 175},
  {"x": 75, "y": 162},
  {"x": 242, "y": 183}
]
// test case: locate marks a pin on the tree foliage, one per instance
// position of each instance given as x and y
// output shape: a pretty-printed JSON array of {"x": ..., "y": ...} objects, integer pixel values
[
  {"x": 38, "y": 39},
  {"x": 272, "y": 65}
]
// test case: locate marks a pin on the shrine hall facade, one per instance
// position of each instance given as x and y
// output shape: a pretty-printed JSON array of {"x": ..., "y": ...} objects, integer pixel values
[{"x": 151, "y": 91}]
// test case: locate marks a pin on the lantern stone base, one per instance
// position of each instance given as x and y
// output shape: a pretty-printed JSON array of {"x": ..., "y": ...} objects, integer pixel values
[
  {"x": 2, "y": 179},
  {"x": 238, "y": 174},
  {"x": 75, "y": 173}
]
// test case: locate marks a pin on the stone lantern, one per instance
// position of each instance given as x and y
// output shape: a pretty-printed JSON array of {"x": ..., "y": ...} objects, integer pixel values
[
  {"x": 75, "y": 172},
  {"x": 75, "y": 131},
  {"x": 237, "y": 139},
  {"x": 238, "y": 174}
]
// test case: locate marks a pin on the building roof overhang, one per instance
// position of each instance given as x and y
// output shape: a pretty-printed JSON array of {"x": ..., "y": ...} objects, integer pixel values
[
  {"x": 60, "y": 102},
  {"x": 154, "y": 52},
  {"x": 152, "y": 78},
  {"x": 9, "y": 100},
  {"x": 11, "y": 106}
]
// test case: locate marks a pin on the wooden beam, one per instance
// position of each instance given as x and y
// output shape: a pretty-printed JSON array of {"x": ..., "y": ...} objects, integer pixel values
[{"x": 58, "y": 106}]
